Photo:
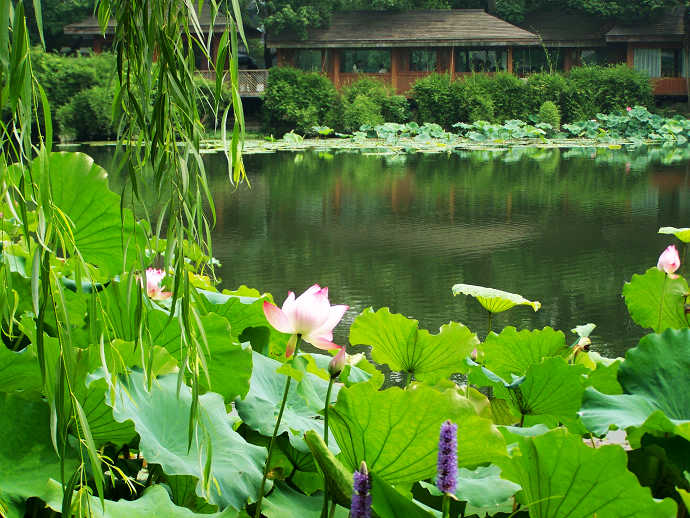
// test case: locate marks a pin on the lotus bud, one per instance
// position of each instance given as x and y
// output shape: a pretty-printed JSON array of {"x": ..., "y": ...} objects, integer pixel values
[
  {"x": 669, "y": 261},
  {"x": 361, "y": 498},
  {"x": 447, "y": 469},
  {"x": 335, "y": 366}
]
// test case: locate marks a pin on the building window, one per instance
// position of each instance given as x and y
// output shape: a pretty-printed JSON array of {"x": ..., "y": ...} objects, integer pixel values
[
  {"x": 469, "y": 59},
  {"x": 595, "y": 56},
  {"x": 308, "y": 60},
  {"x": 671, "y": 62},
  {"x": 366, "y": 61},
  {"x": 529, "y": 60},
  {"x": 423, "y": 60}
]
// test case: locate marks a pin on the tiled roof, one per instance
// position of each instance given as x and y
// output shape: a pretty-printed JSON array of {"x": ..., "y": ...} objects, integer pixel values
[
  {"x": 410, "y": 29},
  {"x": 567, "y": 29},
  {"x": 668, "y": 25},
  {"x": 90, "y": 25}
]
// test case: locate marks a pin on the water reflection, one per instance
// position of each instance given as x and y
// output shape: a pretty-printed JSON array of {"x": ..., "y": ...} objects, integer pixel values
[{"x": 568, "y": 228}]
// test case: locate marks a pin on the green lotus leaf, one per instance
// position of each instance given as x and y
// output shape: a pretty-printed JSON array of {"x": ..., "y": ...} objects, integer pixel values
[
  {"x": 154, "y": 502},
  {"x": 225, "y": 355},
  {"x": 654, "y": 293},
  {"x": 495, "y": 301},
  {"x": 552, "y": 387},
  {"x": 243, "y": 308},
  {"x": 27, "y": 458},
  {"x": 485, "y": 492},
  {"x": 681, "y": 233},
  {"x": 161, "y": 420},
  {"x": 284, "y": 502},
  {"x": 396, "y": 431},
  {"x": 563, "y": 477},
  {"x": 81, "y": 194},
  {"x": 397, "y": 341},
  {"x": 388, "y": 502},
  {"x": 652, "y": 377},
  {"x": 306, "y": 400},
  {"x": 513, "y": 351},
  {"x": 19, "y": 371}
]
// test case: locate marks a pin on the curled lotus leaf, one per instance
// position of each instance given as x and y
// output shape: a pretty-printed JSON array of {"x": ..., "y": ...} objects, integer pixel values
[
  {"x": 652, "y": 377},
  {"x": 681, "y": 233},
  {"x": 493, "y": 300}
]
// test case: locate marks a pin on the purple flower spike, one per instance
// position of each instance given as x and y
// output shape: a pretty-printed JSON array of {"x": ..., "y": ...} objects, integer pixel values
[
  {"x": 361, "y": 499},
  {"x": 446, "y": 479}
]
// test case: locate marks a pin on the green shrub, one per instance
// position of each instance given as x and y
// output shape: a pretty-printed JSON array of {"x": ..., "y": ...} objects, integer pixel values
[
  {"x": 509, "y": 94},
  {"x": 296, "y": 100},
  {"x": 88, "y": 116},
  {"x": 395, "y": 108},
  {"x": 472, "y": 103},
  {"x": 62, "y": 77},
  {"x": 362, "y": 110},
  {"x": 550, "y": 114},
  {"x": 597, "y": 89},
  {"x": 435, "y": 100},
  {"x": 549, "y": 87},
  {"x": 374, "y": 89}
]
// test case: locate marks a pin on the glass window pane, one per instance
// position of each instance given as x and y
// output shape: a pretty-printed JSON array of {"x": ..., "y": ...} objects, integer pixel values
[
  {"x": 366, "y": 61},
  {"x": 423, "y": 60},
  {"x": 308, "y": 60},
  {"x": 670, "y": 63},
  {"x": 478, "y": 62},
  {"x": 648, "y": 60},
  {"x": 461, "y": 62}
]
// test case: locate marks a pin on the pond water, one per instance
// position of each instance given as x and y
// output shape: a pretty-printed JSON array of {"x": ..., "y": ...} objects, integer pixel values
[{"x": 566, "y": 227}]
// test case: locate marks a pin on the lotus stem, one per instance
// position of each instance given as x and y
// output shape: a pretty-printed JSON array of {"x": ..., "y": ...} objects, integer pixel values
[
  {"x": 324, "y": 509},
  {"x": 446, "y": 505},
  {"x": 262, "y": 489},
  {"x": 661, "y": 303},
  {"x": 491, "y": 318}
]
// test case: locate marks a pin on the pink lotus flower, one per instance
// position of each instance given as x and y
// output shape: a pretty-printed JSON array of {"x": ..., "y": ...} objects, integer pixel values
[
  {"x": 669, "y": 261},
  {"x": 310, "y": 315},
  {"x": 154, "y": 277},
  {"x": 629, "y": 108}
]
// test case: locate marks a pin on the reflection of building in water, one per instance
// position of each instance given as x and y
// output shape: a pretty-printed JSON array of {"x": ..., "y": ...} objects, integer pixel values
[{"x": 402, "y": 193}]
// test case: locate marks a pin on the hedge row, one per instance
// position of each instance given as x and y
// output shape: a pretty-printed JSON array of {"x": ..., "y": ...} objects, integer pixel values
[{"x": 296, "y": 100}]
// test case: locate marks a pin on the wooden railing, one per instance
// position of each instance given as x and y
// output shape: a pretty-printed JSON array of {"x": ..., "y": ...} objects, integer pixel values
[{"x": 252, "y": 83}]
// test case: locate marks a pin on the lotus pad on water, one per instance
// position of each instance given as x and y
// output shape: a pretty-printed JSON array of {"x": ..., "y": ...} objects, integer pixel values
[
  {"x": 653, "y": 376},
  {"x": 495, "y": 301}
]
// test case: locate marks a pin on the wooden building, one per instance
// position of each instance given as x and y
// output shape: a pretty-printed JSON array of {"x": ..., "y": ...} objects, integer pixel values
[
  {"x": 252, "y": 81},
  {"x": 401, "y": 47},
  {"x": 658, "y": 47}
]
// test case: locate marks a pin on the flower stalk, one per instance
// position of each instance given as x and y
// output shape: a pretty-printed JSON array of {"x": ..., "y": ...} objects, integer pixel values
[
  {"x": 447, "y": 467},
  {"x": 286, "y": 390}
]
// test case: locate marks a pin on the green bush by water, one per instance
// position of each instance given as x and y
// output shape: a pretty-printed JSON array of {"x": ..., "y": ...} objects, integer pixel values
[
  {"x": 88, "y": 115},
  {"x": 550, "y": 114}
]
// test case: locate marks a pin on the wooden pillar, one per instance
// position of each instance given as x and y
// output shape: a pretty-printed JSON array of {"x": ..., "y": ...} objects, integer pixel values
[
  {"x": 395, "y": 68},
  {"x": 509, "y": 60},
  {"x": 98, "y": 44},
  {"x": 630, "y": 56},
  {"x": 336, "y": 67},
  {"x": 452, "y": 63},
  {"x": 568, "y": 61},
  {"x": 323, "y": 61}
]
